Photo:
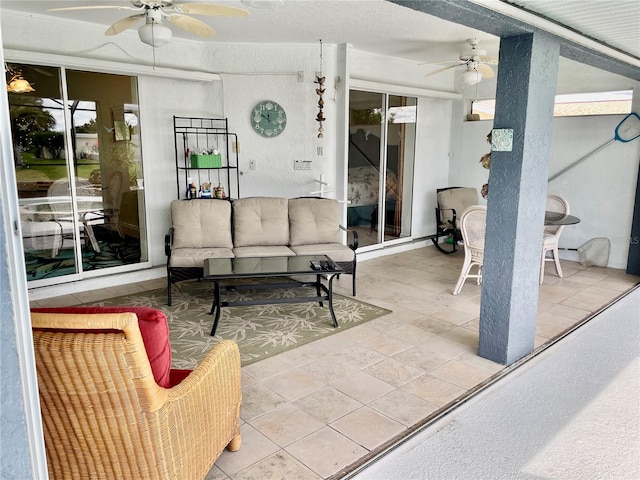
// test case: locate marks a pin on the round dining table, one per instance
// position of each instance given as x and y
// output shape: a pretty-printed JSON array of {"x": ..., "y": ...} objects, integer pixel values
[
  {"x": 558, "y": 218},
  {"x": 89, "y": 208}
]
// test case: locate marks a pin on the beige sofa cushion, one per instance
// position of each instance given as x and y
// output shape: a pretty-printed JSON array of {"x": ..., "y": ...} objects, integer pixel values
[
  {"x": 201, "y": 223},
  {"x": 263, "y": 251},
  {"x": 457, "y": 198},
  {"x": 195, "y": 257},
  {"x": 335, "y": 251},
  {"x": 259, "y": 265},
  {"x": 314, "y": 221},
  {"x": 260, "y": 221}
]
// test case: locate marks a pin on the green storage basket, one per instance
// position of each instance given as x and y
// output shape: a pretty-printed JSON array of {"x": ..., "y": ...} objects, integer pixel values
[{"x": 206, "y": 161}]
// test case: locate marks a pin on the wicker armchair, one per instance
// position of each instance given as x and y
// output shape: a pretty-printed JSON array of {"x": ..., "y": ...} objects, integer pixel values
[{"x": 104, "y": 415}]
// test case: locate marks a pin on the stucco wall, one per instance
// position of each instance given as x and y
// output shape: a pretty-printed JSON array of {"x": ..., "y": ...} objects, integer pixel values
[
  {"x": 14, "y": 449},
  {"x": 600, "y": 191}
]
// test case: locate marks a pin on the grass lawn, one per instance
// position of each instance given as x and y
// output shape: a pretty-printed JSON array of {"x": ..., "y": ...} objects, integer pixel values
[{"x": 35, "y": 169}]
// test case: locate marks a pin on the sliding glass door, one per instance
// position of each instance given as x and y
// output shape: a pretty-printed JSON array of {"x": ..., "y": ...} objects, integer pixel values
[
  {"x": 78, "y": 170},
  {"x": 380, "y": 165}
]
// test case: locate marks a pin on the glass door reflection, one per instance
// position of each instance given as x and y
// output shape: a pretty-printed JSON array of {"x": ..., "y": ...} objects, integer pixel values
[
  {"x": 79, "y": 187},
  {"x": 49, "y": 228},
  {"x": 380, "y": 165},
  {"x": 366, "y": 114}
]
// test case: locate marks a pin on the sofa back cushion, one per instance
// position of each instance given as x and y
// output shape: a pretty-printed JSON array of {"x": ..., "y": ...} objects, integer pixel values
[
  {"x": 201, "y": 223},
  {"x": 260, "y": 221},
  {"x": 313, "y": 221}
]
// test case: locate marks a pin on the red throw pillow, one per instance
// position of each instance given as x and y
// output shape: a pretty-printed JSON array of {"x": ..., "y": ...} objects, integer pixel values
[
  {"x": 153, "y": 328},
  {"x": 176, "y": 376}
]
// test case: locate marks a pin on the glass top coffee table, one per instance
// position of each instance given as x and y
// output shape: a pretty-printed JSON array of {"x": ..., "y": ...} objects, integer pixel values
[{"x": 219, "y": 270}]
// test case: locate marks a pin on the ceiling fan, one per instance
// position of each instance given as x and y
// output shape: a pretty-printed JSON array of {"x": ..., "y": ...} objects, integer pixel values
[
  {"x": 476, "y": 64},
  {"x": 154, "y": 32}
]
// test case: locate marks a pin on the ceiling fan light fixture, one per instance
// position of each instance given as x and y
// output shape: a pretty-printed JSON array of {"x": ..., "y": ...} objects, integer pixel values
[
  {"x": 19, "y": 85},
  {"x": 154, "y": 34},
  {"x": 471, "y": 76}
]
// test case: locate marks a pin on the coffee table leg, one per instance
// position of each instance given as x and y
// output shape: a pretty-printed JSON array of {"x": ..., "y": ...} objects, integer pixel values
[
  {"x": 330, "y": 295},
  {"x": 215, "y": 306},
  {"x": 319, "y": 288}
]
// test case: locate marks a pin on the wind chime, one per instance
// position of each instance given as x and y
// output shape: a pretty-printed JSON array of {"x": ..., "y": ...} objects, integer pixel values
[{"x": 320, "y": 117}]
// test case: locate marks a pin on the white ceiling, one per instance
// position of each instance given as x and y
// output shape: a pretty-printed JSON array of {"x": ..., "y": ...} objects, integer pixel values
[
  {"x": 376, "y": 26},
  {"x": 369, "y": 25},
  {"x": 614, "y": 23}
]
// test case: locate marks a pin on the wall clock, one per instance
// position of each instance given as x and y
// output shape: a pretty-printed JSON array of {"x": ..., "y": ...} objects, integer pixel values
[{"x": 268, "y": 119}]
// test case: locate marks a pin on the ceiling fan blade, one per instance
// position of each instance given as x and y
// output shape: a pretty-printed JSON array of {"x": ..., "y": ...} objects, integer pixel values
[
  {"x": 192, "y": 25},
  {"x": 440, "y": 70},
  {"x": 485, "y": 70},
  {"x": 121, "y": 25},
  {"x": 446, "y": 62},
  {"x": 208, "y": 9},
  {"x": 488, "y": 59},
  {"x": 93, "y": 7}
]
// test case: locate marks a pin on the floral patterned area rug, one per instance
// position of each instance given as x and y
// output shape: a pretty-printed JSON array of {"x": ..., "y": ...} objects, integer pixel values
[{"x": 261, "y": 331}]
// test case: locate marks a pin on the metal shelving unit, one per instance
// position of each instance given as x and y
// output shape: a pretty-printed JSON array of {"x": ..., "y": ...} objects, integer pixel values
[{"x": 196, "y": 135}]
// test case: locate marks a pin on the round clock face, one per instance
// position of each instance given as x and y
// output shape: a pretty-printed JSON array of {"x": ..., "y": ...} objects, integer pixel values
[{"x": 268, "y": 119}]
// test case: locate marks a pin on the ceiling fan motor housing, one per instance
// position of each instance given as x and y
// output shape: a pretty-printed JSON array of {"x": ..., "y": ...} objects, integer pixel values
[
  {"x": 153, "y": 32},
  {"x": 151, "y": 4}
]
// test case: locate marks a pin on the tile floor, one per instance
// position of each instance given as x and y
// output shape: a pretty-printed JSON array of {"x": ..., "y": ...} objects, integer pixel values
[{"x": 312, "y": 411}]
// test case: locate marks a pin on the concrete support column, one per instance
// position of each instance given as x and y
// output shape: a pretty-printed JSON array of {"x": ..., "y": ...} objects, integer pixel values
[
  {"x": 633, "y": 260},
  {"x": 525, "y": 95}
]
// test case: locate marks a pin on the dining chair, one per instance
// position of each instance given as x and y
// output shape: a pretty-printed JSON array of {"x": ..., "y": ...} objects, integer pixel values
[
  {"x": 473, "y": 226},
  {"x": 89, "y": 205},
  {"x": 112, "y": 199},
  {"x": 39, "y": 234},
  {"x": 559, "y": 204}
]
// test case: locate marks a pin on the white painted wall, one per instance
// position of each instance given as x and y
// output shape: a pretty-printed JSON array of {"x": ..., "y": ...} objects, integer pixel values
[
  {"x": 253, "y": 73},
  {"x": 601, "y": 190},
  {"x": 161, "y": 99},
  {"x": 432, "y": 161}
]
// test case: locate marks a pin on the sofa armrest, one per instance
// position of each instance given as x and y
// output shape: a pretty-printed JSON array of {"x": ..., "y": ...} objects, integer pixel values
[
  {"x": 353, "y": 246},
  {"x": 168, "y": 242}
]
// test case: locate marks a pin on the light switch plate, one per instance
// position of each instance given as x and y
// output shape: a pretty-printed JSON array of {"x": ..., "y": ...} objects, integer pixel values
[{"x": 302, "y": 164}]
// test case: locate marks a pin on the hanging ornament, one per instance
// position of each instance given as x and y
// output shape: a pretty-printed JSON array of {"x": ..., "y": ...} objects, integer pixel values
[
  {"x": 485, "y": 160},
  {"x": 320, "y": 117}
]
